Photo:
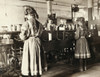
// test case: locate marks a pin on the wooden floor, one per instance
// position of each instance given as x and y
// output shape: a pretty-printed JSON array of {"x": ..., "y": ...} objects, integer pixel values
[
  {"x": 67, "y": 70},
  {"x": 93, "y": 71},
  {"x": 62, "y": 69}
]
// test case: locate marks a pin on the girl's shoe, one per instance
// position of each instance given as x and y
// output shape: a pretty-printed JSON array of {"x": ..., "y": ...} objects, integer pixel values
[
  {"x": 85, "y": 68},
  {"x": 81, "y": 69}
]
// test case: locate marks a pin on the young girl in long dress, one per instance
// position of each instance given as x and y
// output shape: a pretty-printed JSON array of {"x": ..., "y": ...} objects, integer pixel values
[
  {"x": 82, "y": 51},
  {"x": 30, "y": 32}
]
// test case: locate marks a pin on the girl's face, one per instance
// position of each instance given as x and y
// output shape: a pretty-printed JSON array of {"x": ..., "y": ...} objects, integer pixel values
[
  {"x": 29, "y": 16},
  {"x": 25, "y": 16}
]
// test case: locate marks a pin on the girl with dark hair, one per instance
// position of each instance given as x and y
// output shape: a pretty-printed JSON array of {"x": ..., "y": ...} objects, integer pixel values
[
  {"x": 31, "y": 31},
  {"x": 30, "y": 10},
  {"x": 82, "y": 51}
]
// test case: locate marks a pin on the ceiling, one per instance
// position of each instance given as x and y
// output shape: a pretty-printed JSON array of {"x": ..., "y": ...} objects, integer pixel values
[
  {"x": 63, "y": 2},
  {"x": 66, "y": 3},
  {"x": 80, "y": 2}
]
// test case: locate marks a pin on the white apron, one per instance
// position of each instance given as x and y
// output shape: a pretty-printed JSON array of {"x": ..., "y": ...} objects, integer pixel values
[{"x": 31, "y": 59}]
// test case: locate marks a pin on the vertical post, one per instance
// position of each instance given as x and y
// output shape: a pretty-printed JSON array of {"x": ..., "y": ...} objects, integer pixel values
[
  {"x": 72, "y": 11},
  {"x": 90, "y": 5},
  {"x": 49, "y": 12},
  {"x": 49, "y": 7}
]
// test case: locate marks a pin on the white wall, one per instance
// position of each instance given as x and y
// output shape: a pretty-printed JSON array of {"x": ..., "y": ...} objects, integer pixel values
[
  {"x": 11, "y": 15},
  {"x": 82, "y": 13},
  {"x": 11, "y": 11}
]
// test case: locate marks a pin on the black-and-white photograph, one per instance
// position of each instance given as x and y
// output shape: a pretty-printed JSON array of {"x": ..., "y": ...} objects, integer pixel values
[{"x": 49, "y": 38}]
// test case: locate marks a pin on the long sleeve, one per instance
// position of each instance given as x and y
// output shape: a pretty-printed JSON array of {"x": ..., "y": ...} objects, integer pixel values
[
  {"x": 24, "y": 31},
  {"x": 77, "y": 33}
]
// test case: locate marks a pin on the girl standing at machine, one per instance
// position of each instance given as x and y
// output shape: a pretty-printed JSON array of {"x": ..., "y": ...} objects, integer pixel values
[
  {"x": 82, "y": 51},
  {"x": 31, "y": 31}
]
